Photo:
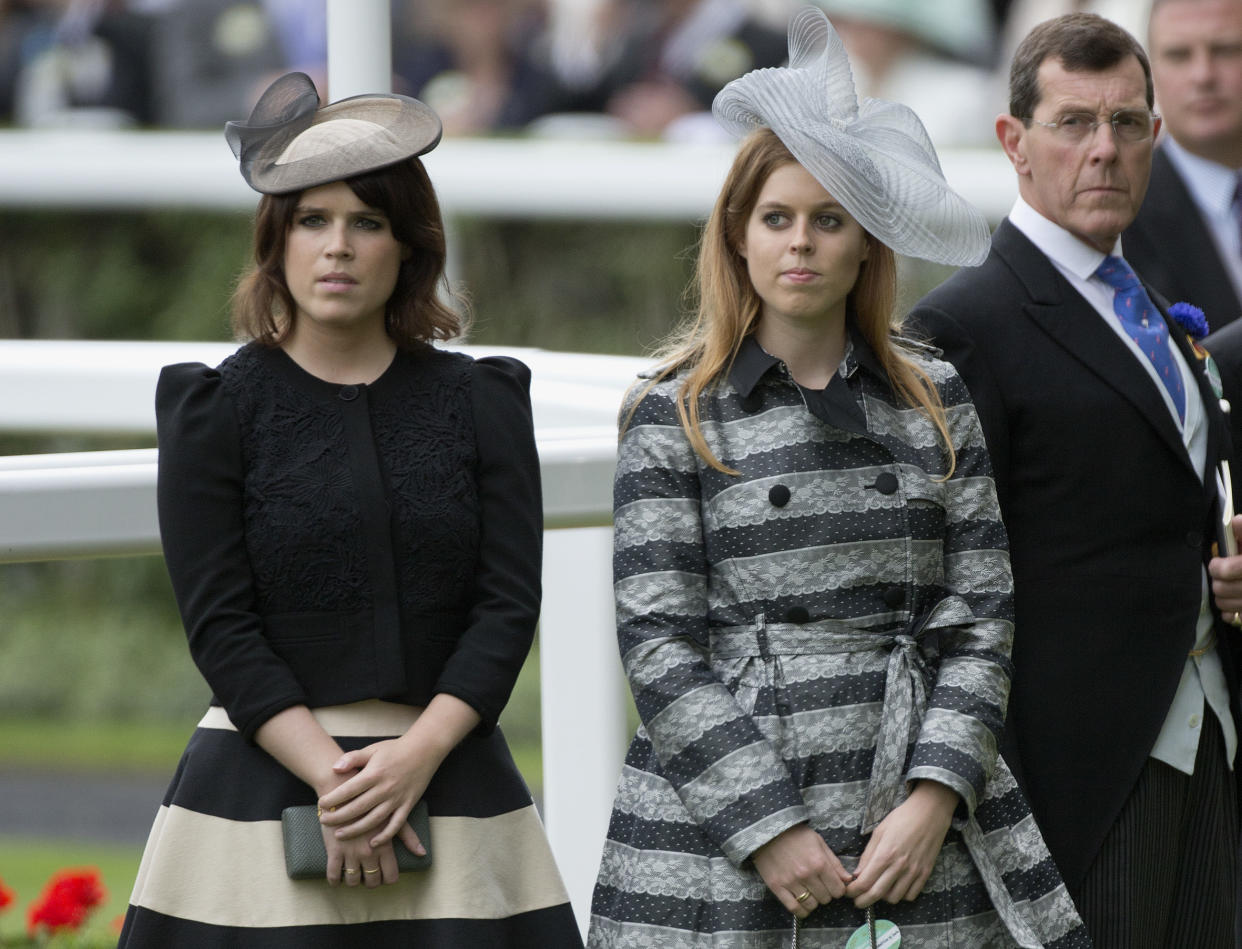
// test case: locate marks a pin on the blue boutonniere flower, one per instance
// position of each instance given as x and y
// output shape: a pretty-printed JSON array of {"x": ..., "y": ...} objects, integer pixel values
[{"x": 1190, "y": 318}]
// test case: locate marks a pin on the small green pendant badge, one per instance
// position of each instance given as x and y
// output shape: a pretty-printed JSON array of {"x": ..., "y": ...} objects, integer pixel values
[{"x": 877, "y": 934}]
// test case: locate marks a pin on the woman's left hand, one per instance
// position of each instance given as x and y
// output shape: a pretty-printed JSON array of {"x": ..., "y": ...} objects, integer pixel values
[
  {"x": 903, "y": 848},
  {"x": 378, "y": 799},
  {"x": 393, "y": 774}
]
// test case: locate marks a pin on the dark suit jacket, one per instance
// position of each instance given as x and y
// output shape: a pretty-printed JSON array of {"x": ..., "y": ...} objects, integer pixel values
[
  {"x": 1170, "y": 245},
  {"x": 1226, "y": 348},
  {"x": 1109, "y": 529}
]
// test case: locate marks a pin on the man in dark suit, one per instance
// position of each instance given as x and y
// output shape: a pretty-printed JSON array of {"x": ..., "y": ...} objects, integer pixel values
[
  {"x": 1105, "y": 436},
  {"x": 1187, "y": 238}
]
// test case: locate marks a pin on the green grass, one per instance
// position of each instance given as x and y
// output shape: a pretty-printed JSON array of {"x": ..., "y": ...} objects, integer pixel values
[
  {"x": 49, "y": 744},
  {"x": 26, "y": 866}
]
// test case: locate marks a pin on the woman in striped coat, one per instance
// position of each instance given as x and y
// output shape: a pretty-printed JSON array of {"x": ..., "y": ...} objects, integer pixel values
[{"x": 812, "y": 586}]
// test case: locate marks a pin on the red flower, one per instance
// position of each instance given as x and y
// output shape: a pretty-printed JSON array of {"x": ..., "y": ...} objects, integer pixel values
[
  {"x": 66, "y": 901},
  {"x": 6, "y": 896}
]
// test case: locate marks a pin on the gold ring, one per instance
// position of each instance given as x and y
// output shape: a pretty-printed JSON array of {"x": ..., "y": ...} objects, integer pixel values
[
  {"x": 806, "y": 895},
  {"x": 350, "y": 870},
  {"x": 372, "y": 870}
]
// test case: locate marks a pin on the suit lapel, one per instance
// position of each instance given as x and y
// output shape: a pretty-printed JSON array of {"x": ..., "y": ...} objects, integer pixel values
[{"x": 1073, "y": 324}]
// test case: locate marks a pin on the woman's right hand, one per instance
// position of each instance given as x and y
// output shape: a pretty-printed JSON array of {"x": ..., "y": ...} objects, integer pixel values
[
  {"x": 354, "y": 861},
  {"x": 797, "y": 862}
]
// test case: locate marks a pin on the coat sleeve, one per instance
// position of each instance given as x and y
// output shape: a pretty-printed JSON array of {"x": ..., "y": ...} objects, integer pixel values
[
  {"x": 730, "y": 778},
  {"x": 504, "y": 607},
  {"x": 200, "y": 500},
  {"x": 959, "y": 740}
]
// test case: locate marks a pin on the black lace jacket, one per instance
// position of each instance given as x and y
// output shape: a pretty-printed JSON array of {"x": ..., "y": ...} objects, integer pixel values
[{"x": 332, "y": 543}]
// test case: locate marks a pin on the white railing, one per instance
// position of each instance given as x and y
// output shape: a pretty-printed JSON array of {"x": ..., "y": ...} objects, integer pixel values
[{"x": 530, "y": 178}]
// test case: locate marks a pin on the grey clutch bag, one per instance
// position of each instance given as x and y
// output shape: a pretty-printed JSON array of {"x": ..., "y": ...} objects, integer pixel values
[{"x": 306, "y": 857}]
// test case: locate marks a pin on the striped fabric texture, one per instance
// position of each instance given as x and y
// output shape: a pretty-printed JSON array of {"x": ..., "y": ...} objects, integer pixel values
[
  {"x": 1166, "y": 874},
  {"x": 802, "y": 640},
  {"x": 213, "y": 872}
]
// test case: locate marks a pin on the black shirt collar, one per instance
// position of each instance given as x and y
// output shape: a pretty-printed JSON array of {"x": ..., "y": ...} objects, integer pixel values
[
  {"x": 749, "y": 366},
  {"x": 753, "y": 361}
]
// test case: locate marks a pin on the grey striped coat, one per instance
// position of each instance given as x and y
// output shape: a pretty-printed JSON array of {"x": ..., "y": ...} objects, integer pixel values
[{"x": 803, "y": 640}]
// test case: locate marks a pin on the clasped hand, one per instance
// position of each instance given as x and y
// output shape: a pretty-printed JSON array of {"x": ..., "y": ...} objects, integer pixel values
[
  {"x": 361, "y": 815},
  {"x": 803, "y": 872}
]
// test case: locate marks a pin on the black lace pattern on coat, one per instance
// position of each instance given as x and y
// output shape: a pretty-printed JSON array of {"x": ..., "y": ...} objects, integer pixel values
[{"x": 301, "y": 505}]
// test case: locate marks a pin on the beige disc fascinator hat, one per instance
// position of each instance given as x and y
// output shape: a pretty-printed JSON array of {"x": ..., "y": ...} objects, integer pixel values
[
  {"x": 872, "y": 156},
  {"x": 290, "y": 144}
]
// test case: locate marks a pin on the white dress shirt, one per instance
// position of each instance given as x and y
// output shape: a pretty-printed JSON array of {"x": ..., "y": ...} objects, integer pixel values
[{"x": 1203, "y": 677}]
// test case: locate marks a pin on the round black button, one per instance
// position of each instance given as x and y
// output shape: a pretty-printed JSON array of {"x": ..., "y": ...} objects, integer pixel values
[
  {"x": 348, "y": 393},
  {"x": 894, "y": 597},
  {"x": 886, "y": 483},
  {"x": 797, "y": 614},
  {"x": 779, "y": 495},
  {"x": 752, "y": 401},
  {"x": 1194, "y": 540}
]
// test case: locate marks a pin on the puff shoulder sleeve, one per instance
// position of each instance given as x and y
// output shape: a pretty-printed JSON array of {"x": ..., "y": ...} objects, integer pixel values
[
  {"x": 200, "y": 500},
  {"x": 504, "y": 607}
]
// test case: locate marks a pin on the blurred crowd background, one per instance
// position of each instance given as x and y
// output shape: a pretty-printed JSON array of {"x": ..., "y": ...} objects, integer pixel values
[{"x": 584, "y": 68}]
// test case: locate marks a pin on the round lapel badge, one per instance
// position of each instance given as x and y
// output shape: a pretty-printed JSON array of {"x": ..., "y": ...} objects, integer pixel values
[{"x": 887, "y": 936}]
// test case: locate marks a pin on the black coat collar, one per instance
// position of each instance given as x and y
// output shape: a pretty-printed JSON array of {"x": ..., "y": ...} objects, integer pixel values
[{"x": 836, "y": 404}]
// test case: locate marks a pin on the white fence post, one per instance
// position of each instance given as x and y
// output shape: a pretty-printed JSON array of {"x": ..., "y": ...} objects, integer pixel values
[
  {"x": 583, "y": 707},
  {"x": 359, "y": 48}
]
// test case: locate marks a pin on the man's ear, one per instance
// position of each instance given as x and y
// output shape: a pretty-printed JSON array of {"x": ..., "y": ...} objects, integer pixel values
[{"x": 1011, "y": 133}]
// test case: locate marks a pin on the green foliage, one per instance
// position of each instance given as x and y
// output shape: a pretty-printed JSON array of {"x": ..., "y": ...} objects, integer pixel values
[
  {"x": 575, "y": 286},
  {"x": 167, "y": 275},
  {"x": 88, "y": 639},
  {"x": 119, "y": 275}
]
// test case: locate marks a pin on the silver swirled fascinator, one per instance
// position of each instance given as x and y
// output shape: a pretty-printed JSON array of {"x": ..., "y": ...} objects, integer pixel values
[
  {"x": 872, "y": 156},
  {"x": 290, "y": 144}
]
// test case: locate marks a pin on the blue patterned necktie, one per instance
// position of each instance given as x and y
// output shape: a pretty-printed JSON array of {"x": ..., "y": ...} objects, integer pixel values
[{"x": 1144, "y": 324}]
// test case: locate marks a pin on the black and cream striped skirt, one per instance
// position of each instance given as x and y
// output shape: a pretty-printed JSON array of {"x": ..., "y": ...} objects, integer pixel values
[{"x": 213, "y": 872}]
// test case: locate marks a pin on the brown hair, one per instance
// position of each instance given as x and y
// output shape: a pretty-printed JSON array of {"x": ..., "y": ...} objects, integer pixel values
[
  {"x": 1082, "y": 42},
  {"x": 264, "y": 309},
  {"x": 727, "y": 307}
]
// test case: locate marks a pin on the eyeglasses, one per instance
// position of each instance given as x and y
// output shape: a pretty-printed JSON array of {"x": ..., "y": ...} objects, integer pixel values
[{"x": 1129, "y": 125}]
